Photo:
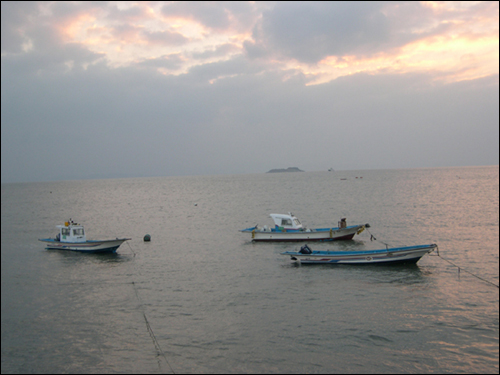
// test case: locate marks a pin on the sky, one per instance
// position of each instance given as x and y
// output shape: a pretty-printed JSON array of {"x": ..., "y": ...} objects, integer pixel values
[{"x": 139, "y": 89}]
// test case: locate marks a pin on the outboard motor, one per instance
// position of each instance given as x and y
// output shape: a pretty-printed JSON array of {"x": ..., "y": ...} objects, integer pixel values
[
  {"x": 305, "y": 250},
  {"x": 342, "y": 223}
]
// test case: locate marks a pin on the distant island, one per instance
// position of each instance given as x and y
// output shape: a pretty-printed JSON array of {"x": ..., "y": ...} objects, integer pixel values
[{"x": 289, "y": 169}]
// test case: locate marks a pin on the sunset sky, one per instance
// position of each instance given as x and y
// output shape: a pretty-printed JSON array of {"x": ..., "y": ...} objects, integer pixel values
[{"x": 132, "y": 89}]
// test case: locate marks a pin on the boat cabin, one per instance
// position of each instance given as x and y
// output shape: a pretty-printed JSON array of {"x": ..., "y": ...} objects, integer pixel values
[
  {"x": 282, "y": 221},
  {"x": 70, "y": 232}
]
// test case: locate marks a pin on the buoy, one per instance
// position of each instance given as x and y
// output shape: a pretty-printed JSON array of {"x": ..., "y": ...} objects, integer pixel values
[{"x": 147, "y": 238}]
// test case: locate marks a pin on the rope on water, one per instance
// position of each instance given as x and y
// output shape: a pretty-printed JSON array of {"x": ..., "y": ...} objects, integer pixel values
[
  {"x": 158, "y": 348},
  {"x": 159, "y": 351},
  {"x": 372, "y": 238},
  {"x": 133, "y": 252},
  {"x": 462, "y": 269}
]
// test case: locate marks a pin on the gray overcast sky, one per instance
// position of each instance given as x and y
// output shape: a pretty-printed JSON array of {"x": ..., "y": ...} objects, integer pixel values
[{"x": 112, "y": 89}]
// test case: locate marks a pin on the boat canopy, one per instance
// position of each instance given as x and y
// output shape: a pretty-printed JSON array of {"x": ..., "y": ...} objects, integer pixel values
[
  {"x": 71, "y": 232},
  {"x": 286, "y": 221}
]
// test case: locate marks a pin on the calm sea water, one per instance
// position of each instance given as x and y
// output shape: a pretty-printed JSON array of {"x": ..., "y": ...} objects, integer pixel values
[{"x": 201, "y": 298}]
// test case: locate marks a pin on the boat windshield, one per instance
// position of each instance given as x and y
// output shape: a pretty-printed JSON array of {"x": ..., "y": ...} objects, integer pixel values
[
  {"x": 296, "y": 221},
  {"x": 78, "y": 232}
]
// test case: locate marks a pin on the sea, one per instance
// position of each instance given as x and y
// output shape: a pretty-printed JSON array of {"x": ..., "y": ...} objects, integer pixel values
[{"x": 200, "y": 297}]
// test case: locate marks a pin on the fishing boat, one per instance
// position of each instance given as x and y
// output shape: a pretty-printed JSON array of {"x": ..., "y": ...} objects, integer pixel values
[
  {"x": 409, "y": 254},
  {"x": 288, "y": 228},
  {"x": 71, "y": 236}
]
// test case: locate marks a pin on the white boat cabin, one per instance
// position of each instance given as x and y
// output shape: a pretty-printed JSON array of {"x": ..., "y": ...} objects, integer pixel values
[
  {"x": 282, "y": 221},
  {"x": 71, "y": 232}
]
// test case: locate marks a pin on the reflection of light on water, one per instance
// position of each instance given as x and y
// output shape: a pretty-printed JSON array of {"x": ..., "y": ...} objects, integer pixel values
[
  {"x": 75, "y": 258},
  {"x": 208, "y": 291}
]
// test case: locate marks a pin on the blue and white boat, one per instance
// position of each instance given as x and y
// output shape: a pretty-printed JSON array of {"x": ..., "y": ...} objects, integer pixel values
[
  {"x": 289, "y": 228},
  {"x": 71, "y": 236},
  {"x": 409, "y": 254}
]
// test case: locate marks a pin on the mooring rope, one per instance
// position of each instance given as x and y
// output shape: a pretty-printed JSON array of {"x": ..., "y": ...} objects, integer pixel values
[
  {"x": 158, "y": 348},
  {"x": 133, "y": 252},
  {"x": 372, "y": 238},
  {"x": 462, "y": 269}
]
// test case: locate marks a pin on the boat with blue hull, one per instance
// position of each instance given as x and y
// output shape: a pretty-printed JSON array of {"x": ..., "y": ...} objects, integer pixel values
[
  {"x": 71, "y": 236},
  {"x": 288, "y": 228},
  {"x": 398, "y": 255}
]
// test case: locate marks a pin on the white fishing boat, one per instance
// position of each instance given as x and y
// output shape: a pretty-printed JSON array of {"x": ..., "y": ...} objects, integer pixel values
[
  {"x": 288, "y": 228},
  {"x": 409, "y": 254},
  {"x": 71, "y": 236}
]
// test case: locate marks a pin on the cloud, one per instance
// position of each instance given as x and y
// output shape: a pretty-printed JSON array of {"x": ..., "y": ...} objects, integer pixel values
[
  {"x": 311, "y": 31},
  {"x": 213, "y": 15},
  {"x": 153, "y": 89},
  {"x": 169, "y": 62},
  {"x": 218, "y": 51},
  {"x": 15, "y": 24},
  {"x": 165, "y": 37},
  {"x": 128, "y": 12},
  {"x": 138, "y": 122},
  {"x": 322, "y": 40}
]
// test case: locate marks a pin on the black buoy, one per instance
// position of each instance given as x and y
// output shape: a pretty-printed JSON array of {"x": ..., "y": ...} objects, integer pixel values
[{"x": 147, "y": 238}]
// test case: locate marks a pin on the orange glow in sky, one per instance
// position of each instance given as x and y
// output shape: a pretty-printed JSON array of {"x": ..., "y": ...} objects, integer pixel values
[{"x": 466, "y": 49}]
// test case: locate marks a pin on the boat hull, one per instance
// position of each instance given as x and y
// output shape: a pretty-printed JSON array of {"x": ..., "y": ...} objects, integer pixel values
[
  {"x": 322, "y": 234},
  {"x": 410, "y": 254},
  {"x": 105, "y": 246}
]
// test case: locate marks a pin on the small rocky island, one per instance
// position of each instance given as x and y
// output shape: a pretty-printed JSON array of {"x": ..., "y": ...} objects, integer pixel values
[{"x": 289, "y": 169}]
